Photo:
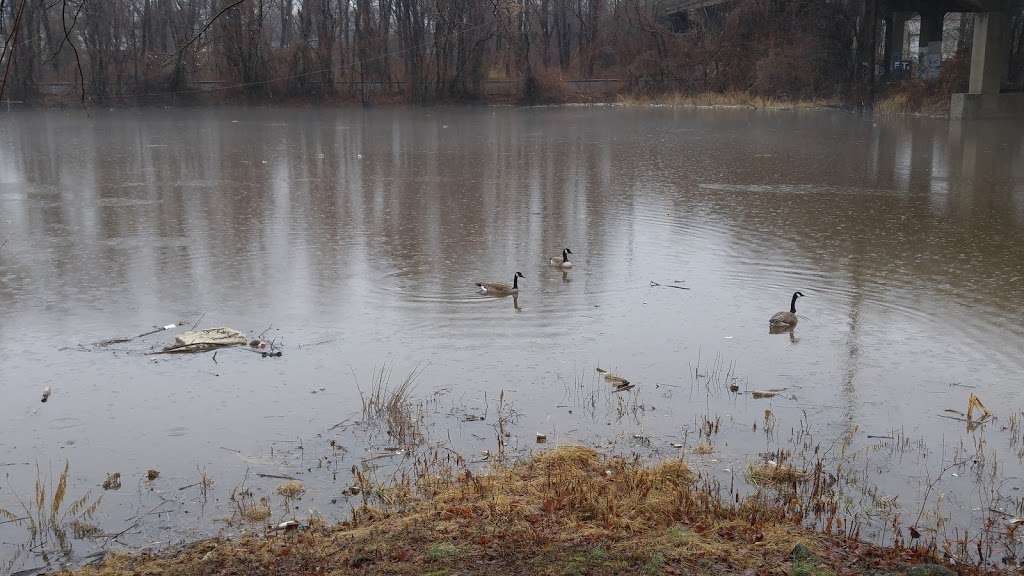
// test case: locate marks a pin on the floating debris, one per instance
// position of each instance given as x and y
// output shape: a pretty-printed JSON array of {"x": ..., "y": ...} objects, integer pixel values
[
  {"x": 276, "y": 476},
  {"x": 541, "y": 438},
  {"x": 287, "y": 526},
  {"x": 205, "y": 340},
  {"x": 352, "y": 491},
  {"x": 122, "y": 340},
  {"x": 46, "y": 394},
  {"x": 673, "y": 285},
  {"x": 613, "y": 378},
  {"x": 974, "y": 403},
  {"x": 152, "y": 474},
  {"x": 113, "y": 481}
]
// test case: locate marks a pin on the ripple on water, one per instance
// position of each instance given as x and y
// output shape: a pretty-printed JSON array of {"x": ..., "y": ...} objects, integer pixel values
[
  {"x": 66, "y": 423},
  {"x": 177, "y": 431}
]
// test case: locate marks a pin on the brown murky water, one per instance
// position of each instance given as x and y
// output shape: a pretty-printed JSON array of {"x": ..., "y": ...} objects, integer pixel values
[{"x": 357, "y": 237}]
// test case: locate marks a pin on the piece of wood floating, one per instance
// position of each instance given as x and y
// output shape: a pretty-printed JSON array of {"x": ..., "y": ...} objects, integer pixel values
[{"x": 655, "y": 284}]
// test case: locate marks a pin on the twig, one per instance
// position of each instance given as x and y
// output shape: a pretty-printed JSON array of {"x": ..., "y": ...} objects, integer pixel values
[
  {"x": 339, "y": 424},
  {"x": 276, "y": 476},
  {"x": 15, "y": 520},
  {"x": 160, "y": 329},
  {"x": 208, "y": 24},
  {"x": 320, "y": 343},
  {"x": 198, "y": 320},
  {"x": 654, "y": 284},
  {"x": 931, "y": 485},
  {"x": 67, "y": 34},
  {"x": 214, "y": 358},
  {"x": 12, "y": 40},
  {"x": 133, "y": 524},
  {"x": 269, "y": 326}
]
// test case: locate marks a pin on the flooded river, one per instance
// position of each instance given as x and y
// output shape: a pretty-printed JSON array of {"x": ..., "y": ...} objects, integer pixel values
[{"x": 354, "y": 238}]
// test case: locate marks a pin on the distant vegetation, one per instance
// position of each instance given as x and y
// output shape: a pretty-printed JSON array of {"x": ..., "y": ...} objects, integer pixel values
[{"x": 176, "y": 51}]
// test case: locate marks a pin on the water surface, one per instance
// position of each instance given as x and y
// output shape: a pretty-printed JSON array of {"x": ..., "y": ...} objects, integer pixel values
[{"x": 354, "y": 238}]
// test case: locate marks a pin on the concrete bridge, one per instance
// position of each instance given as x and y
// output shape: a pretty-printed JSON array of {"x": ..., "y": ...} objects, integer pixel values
[{"x": 989, "y": 51}]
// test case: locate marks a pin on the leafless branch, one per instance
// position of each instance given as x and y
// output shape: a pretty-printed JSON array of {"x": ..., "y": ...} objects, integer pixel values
[{"x": 208, "y": 24}]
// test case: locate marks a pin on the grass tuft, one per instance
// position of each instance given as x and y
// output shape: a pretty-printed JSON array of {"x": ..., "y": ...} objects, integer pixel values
[{"x": 291, "y": 489}]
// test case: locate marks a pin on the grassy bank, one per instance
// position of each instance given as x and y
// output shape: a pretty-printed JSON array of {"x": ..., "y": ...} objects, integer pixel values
[
  {"x": 726, "y": 100},
  {"x": 566, "y": 511}
]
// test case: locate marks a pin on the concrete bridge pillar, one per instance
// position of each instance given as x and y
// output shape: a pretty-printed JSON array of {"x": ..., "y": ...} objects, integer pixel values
[
  {"x": 988, "y": 62},
  {"x": 988, "y": 52},
  {"x": 930, "y": 44},
  {"x": 895, "y": 32}
]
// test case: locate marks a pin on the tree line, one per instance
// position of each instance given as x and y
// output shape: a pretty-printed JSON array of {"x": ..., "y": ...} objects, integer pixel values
[{"x": 431, "y": 50}]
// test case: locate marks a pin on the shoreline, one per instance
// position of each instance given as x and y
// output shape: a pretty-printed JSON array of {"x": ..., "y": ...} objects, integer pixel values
[
  {"x": 884, "y": 105},
  {"x": 568, "y": 510}
]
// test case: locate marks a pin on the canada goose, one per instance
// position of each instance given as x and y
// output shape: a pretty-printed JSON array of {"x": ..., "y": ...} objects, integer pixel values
[
  {"x": 786, "y": 319},
  {"x": 500, "y": 289},
  {"x": 562, "y": 262}
]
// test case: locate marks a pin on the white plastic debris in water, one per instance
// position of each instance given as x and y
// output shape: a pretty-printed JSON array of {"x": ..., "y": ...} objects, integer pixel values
[
  {"x": 46, "y": 393},
  {"x": 289, "y": 525},
  {"x": 209, "y": 339}
]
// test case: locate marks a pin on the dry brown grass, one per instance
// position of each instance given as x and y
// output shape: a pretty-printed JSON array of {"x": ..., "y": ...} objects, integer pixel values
[
  {"x": 704, "y": 448},
  {"x": 774, "y": 474},
  {"x": 392, "y": 407},
  {"x": 725, "y": 100},
  {"x": 565, "y": 511},
  {"x": 291, "y": 489},
  {"x": 247, "y": 508}
]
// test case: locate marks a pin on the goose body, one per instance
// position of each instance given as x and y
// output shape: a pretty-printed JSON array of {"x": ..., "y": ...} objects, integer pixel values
[
  {"x": 786, "y": 319},
  {"x": 500, "y": 288},
  {"x": 562, "y": 262}
]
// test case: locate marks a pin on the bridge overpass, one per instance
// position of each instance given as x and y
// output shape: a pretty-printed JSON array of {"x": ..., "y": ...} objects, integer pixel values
[
  {"x": 989, "y": 50},
  {"x": 991, "y": 46}
]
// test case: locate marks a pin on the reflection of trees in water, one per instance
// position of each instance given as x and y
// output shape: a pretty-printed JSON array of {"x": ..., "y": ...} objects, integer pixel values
[
  {"x": 943, "y": 227},
  {"x": 406, "y": 192}
]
